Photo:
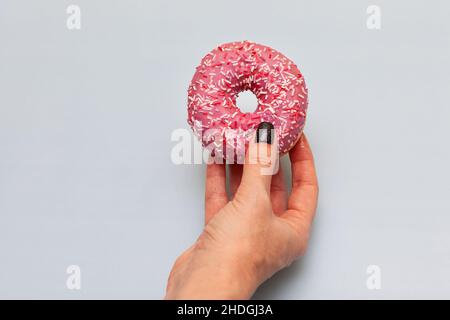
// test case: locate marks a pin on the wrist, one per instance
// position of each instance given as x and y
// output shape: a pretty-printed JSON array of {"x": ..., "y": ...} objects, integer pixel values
[{"x": 213, "y": 279}]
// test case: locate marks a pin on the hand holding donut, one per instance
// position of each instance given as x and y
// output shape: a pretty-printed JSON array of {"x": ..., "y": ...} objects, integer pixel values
[{"x": 260, "y": 231}]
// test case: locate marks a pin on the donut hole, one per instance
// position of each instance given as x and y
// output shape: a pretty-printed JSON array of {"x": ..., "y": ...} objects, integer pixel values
[{"x": 246, "y": 101}]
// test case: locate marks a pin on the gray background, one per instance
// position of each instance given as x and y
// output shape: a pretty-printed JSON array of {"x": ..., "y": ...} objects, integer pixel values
[{"x": 86, "y": 118}]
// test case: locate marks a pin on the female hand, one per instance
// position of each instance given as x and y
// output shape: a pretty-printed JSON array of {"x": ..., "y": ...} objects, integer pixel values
[{"x": 260, "y": 231}]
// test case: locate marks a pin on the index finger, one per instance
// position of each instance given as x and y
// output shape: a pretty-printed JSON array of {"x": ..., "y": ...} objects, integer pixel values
[
  {"x": 215, "y": 190},
  {"x": 302, "y": 202}
]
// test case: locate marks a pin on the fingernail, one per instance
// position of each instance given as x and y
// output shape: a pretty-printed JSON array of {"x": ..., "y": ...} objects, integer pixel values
[{"x": 264, "y": 133}]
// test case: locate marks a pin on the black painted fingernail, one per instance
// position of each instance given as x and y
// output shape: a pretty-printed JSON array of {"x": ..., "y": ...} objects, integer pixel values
[{"x": 264, "y": 133}]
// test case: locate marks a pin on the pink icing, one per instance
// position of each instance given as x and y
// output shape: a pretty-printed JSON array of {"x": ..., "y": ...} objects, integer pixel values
[{"x": 235, "y": 67}]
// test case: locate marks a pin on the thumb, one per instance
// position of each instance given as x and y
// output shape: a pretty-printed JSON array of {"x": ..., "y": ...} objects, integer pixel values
[{"x": 261, "y": 160}]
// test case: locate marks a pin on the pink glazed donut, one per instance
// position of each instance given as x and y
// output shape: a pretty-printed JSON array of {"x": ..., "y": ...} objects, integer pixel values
[{"x": 235, "y": 67}]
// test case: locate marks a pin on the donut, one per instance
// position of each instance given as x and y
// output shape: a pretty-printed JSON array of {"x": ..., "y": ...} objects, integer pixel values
[{"x": 235, "y": 67}]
